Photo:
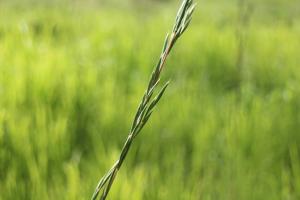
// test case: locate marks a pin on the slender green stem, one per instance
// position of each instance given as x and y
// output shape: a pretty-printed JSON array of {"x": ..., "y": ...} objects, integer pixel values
[{"x": 148, "y": 103}]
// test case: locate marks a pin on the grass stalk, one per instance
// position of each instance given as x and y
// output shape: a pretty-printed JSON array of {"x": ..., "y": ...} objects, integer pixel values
[{"x": 148, "y": 103}]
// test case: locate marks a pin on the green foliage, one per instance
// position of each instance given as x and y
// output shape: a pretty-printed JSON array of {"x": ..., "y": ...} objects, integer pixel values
[{"x": 71, "y": 78}]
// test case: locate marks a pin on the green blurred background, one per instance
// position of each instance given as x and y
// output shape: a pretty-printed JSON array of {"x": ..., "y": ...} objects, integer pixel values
[{"x": 72, "y": 74}]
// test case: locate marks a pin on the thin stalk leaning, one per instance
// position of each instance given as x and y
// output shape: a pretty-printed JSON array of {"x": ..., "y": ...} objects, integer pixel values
[{"x": 148, "y": 103}]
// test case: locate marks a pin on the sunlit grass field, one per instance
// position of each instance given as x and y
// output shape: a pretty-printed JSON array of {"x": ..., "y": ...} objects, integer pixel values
[{"x": 73, "y": 73}]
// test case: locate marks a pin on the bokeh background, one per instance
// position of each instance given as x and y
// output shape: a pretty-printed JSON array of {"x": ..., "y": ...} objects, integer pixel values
[{"x": 72, "y": 74}]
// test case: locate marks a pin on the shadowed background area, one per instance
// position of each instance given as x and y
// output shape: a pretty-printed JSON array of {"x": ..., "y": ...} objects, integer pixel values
[{"x": 72, "y": 74}]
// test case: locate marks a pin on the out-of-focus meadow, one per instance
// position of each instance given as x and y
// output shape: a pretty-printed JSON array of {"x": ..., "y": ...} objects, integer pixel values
[{"x": 72, "y": 74}]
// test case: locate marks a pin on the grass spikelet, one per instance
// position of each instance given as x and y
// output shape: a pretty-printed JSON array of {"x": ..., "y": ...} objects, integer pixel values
[{"x": 148, "y": 104}]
